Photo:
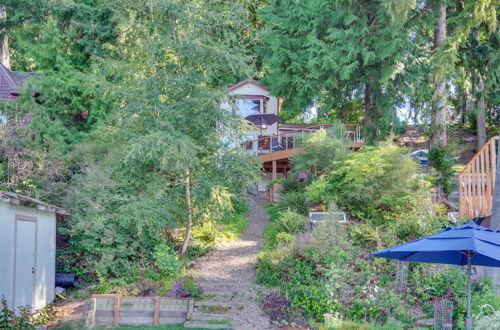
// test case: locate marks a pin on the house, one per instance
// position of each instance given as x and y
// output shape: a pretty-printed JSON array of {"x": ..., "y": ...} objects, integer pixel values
[
  {"x": 275, "y": 142},
  {"x": 11, "y": 84},
  {"x": 28, "y": 251}
]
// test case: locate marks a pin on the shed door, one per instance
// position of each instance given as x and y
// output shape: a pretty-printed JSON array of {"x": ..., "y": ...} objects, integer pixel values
[{"x": 24, "y": 276}]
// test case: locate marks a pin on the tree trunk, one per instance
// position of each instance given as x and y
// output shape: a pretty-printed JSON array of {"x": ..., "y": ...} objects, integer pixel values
[
  {"x": 5, "y": 60},
  {"x": 481, "y": 113},
  {"x": 439, "y": 120},
  {"x": 371, "y": 130},
  {"x": 185, "y": 244}
]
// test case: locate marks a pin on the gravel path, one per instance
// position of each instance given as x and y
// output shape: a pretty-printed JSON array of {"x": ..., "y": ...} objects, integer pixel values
[{"x": 228, "y": 273}]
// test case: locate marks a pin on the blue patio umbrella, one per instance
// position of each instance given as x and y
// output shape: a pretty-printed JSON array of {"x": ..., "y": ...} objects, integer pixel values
[{"x": 468, "y": 244}]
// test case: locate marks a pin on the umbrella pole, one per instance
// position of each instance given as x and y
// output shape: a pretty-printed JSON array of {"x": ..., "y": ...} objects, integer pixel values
[{"x": 468, "y": 320}]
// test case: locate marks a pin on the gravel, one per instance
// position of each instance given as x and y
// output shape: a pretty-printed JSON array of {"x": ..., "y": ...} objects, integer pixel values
[{"x": 228, "y": 272}]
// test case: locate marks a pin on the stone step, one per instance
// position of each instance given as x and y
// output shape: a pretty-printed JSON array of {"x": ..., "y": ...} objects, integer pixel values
[
  {"x": 219, "y": 293},
  {"x": 219, "y": 286},
  {"x": 212, "y": 304},
  {"x": 197, "y": 316},
  {"x": 194, "y": 324}
]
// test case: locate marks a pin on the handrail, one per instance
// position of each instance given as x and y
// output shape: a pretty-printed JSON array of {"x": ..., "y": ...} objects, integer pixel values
[
  {"x": 302, "y": 129},
  {"x": 476, "y": 182},
  {"x": 473, "y": 159}
]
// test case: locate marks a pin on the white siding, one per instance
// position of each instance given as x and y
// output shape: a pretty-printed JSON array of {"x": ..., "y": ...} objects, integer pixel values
[
  {"x": 272, "y": 105},
  {"x": 43, "y": 292}
]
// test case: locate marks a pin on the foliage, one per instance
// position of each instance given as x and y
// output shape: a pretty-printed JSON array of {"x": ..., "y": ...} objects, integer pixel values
[
  {"x": 439, "y": 158},
  {"x": 290, "y": 222},
  {"x": 378, "y": 184},
  {"x": 310, "y": 62},
  {"x": 9, "y": 319},
  {"x": 320, "y": 150},
  {"x": 185, "y": 288},
  {"x": 166, "y": 260},
  {"x": 487, "y": 318},
  {"x": 294, "y": 200},
  {"x": 279, "y": 309}
]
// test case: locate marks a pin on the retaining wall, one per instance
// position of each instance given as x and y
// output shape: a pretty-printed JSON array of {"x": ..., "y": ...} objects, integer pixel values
[{"x": 112, "y": 310}]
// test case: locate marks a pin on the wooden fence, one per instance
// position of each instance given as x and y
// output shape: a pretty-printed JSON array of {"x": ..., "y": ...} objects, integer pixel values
[
  {"x": 476, "y": 182},
  {"x": 110, "y": 310}
]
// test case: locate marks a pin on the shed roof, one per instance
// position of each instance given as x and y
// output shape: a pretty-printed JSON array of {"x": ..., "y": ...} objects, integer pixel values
[{"x": 11, "y": 197}]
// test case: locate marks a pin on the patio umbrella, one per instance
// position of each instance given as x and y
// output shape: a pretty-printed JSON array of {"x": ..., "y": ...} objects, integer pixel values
[
  {"x": 469, "y": 244},
  {"x": 263, "y": 119}
]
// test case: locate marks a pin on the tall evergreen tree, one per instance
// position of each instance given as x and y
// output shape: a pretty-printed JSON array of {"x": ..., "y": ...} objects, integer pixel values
[{"x": 327, "y": 51}]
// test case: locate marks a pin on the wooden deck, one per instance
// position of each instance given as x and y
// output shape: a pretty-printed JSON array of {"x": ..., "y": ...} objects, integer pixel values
[
  {"x": 285, "y": 154},
  {"x": 476, "y": 182}
]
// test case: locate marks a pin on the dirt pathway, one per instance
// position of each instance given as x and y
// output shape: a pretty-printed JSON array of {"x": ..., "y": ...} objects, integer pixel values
[{"x": 228, "y": 273}]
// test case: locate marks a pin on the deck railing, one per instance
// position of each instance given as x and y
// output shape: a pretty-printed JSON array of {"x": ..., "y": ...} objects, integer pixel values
[
  {"x": 352, "y": 133},
  {"x": 476, "y": 182}
]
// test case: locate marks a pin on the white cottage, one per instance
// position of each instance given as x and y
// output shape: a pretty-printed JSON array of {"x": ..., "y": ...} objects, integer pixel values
[{"x": 27, "y": 251}]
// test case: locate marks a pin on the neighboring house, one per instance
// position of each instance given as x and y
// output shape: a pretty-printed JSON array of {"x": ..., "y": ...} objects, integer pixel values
[
  {"x": 11, "y": 84},
  {"x": 28, "y": 251},
  {"x": 273, "y": 144}
]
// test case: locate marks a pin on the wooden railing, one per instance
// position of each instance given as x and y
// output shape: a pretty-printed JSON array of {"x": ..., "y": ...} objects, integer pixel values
[
  {"x": 353, "y": 134},
  {"x": 476, "y": 182}
]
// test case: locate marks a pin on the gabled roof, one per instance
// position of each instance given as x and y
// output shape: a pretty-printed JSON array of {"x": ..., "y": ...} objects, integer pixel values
[
  {"x": 246, "y": 81},
  {"x": 11, "y": 82}
]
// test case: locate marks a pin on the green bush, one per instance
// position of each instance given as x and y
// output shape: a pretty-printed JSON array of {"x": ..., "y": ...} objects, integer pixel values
[
  {"x": 291, "y": 184},
  {"x": 294, "y": 200},
  {"x": 365, "y": 235},
  {"x": 440, "y": 159},
  {"x": 377, "y": 185},
  {"x": 488, "y": 318},
  {"x": 166, "y": 260},
  {"x": 9, "y": 319},
  {"x": 290, "y": 222}
]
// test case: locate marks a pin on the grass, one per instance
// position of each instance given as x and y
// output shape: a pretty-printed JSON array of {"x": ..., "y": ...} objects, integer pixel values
[{"x": 81, "y": 325}]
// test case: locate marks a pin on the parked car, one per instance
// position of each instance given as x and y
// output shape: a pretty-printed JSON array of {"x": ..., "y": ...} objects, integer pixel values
[{"x": 421, "y": 155}]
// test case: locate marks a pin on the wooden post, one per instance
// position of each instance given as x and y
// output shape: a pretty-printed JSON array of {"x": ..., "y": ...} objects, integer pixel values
[
  {"x": 117, "y": 311},
  {"x": 156, "y": 314},
  {"x": 90, "y": 322},
  {"x": 273, "y": 178}
]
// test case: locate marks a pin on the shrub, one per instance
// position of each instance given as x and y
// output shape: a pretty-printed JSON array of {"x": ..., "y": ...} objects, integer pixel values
[
  {"x": 291, "y": 184},
  {"x": 488, "y": 318},
  {"x": 166, "y": 260},
  {"x": 9, "y": 319},
  {"x": 325, "y": 236},
  {"x": 294, "y": 200},
  {"x": 290, "y": 222},
  {"x": 280, "y": 310},
  {"x": 365, "y": 235},
  {"x": 439, "y": 158},
  {"x": 268, "y": 272}
]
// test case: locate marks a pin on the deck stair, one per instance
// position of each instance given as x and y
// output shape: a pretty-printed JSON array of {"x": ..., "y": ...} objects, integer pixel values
[{"x": 476, "y": 182}]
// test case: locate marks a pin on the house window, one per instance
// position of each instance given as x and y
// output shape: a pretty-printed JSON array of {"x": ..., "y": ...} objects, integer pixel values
[
  {"x": 287, "y": 142},
  {"x": 264, "y": 106},
  {"x": 247, "y": 107},
  {"x": 264, "y": 142}
]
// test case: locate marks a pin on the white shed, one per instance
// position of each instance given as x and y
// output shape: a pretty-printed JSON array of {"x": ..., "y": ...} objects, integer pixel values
[{"x": 27, "y": 251}]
